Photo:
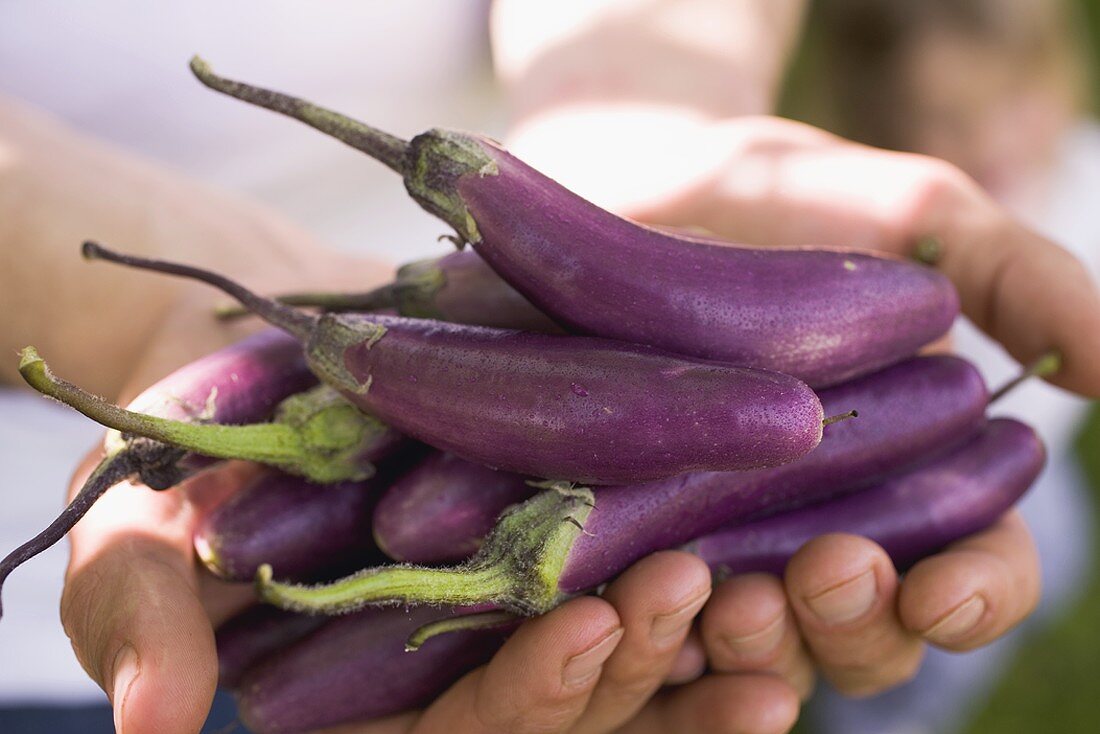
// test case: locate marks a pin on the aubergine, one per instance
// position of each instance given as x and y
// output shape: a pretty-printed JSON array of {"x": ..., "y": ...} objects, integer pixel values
[
  {"x": 911, "y": 515},
  {"x": 571, "y": 408},
  {"x": 570, "y": 539},
  {"x": 241, "y": 383},
  {"x": 822, "y": 315}
]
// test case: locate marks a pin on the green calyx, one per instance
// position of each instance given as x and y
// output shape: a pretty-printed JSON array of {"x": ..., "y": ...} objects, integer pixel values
[
  {"x": 416, "y": 286},
  {"x": 334, "y": 434},
  {"x": 316, "y": 434},
  {"x": 517, "y": 568},
  {"x": 332, "y": 337},
  {"x": 437, "y": 160}
]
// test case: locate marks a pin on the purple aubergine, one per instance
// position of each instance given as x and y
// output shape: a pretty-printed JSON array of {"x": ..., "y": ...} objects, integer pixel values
[
  {"x": 242, "y": 383},
  {"x": 570, "y": 539},
  {"x": 458, "y": 287},
  {"x": 315, "y": 433},
  {"x": 254, "y": 634},
  {"x": 822, "y": 315},
  {"x": 442, "y": 509},
  {"x": 357, "y": 667},
  {"x": 304, "y": 528},
  {"x": 581, "y": 409},
  {"x": 911, "y": 515}
]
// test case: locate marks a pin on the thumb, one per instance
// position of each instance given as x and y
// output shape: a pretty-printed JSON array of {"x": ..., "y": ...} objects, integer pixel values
[
  {"x": 142, "y": 634},
  {"x": 133, "y": 615}
]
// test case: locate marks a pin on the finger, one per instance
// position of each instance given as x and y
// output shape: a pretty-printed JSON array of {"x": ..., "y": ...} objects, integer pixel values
[
  {"x": 843, "y": 590},
  {"x": 690, "y": 662},
  {"x": 656, "y": 600},
  {"x": 976, "y": 590},
  {"x": 721, "y": 704},
  {"x": 131, "y": 611},
  {"x": 540, "y": 681},
  {"x": 1005, "y": 273},
  {"x": 1030, "y": 295},
  {"x": 748, "y": 628}
]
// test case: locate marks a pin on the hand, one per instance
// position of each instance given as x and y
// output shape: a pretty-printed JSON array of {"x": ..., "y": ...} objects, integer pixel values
[
  {"x": 593, "y": 664},
  {"x": 841, "y": 607},
  {"x": 141, "y": 614},
  {"x": 841, "y": 602}
]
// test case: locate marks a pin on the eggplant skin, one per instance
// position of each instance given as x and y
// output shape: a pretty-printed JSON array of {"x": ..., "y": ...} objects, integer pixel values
[
  {"x": 242, "y": 383},
  {"x": 440, "y": 510},
  {"x": 911, "y": 515},
  {"x": 301, "y": 529},
  {"x": 907, "y": 413},
  {"x": 255, "y": 633},
  {"x": 576, "y": 409},
  {"x": 356, "y": 667},
  {"x": 822, "y": 315}
]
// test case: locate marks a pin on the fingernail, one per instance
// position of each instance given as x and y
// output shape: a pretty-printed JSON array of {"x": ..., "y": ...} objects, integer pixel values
[
  {"x": 758, "y": 644},
  {"x": 850, "y": 600},
  {"x": 126, "y": 669},
  {"x": 959, "y": 621},
  {"x": 667, "y": 628},
  {"x": 584, "y": 666}
]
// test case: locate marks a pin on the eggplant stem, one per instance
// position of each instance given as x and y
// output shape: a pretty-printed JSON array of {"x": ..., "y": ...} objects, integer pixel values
[
  {"x": 1045, "y": 365},
  {"x": 838, "y": 418},
  {"x": 382, "y": 146},
  {"x": 517, "y": 567},
  {"x": 461, "y": 586},
  {"x": 373, "y": 300},
  {"x": 292, "y": 321},
  {"x": 109, "y": 472},
  {"x": 281, "y": 444},
  {"x": 461, "y": 623},
  {"x": 928, "y": 250}
]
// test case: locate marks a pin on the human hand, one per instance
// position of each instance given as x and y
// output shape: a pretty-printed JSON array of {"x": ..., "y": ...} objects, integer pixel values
[
  {"x": 140, "y": 612},
  {"x": 769, "y": 182},
  {"x": 594, "y": 663},
  {"x": 842, "y": 609},
  {"x": 841, "y": 603}
]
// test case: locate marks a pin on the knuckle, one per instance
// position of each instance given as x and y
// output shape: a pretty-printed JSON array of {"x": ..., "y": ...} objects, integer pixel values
[
  {"x": 636, "y": 685},
  {"x": 859, "y": 680},
  {"x": 935, "y": 191},
  {"x": 551, "y": 710}
]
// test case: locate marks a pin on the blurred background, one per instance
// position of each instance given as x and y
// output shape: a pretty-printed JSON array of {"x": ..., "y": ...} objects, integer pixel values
[
  {"x": 1008, "y": 91},
  {"x": 1005, "y": 89}
]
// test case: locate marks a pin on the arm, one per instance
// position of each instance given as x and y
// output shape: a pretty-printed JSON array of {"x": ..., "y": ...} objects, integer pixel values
[
  {"x": 58, "y": 188},
  {"x": 636, "y": 88}
]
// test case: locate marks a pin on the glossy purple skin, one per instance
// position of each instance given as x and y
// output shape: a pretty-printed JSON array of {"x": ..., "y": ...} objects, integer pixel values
[
  {"x": 239, "y": 381},
  {"x": 256, "y": 633},
  {"x": 473, "y": 293},
  {"x": 575, "y": 408},
  {"x": 301, "y": 529},
  {"x": 441, "y": 509},
  {"x": 821, "y": 315},
  {"x": 356, "y": 667},
  {"x": 243, "y": 383},
  {"x": 911, "y": 516},
  {"x": 907, "y": 413}
]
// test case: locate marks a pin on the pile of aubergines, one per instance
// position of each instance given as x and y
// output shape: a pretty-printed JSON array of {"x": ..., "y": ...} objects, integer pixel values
[{"x": 515, "y": 423}]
